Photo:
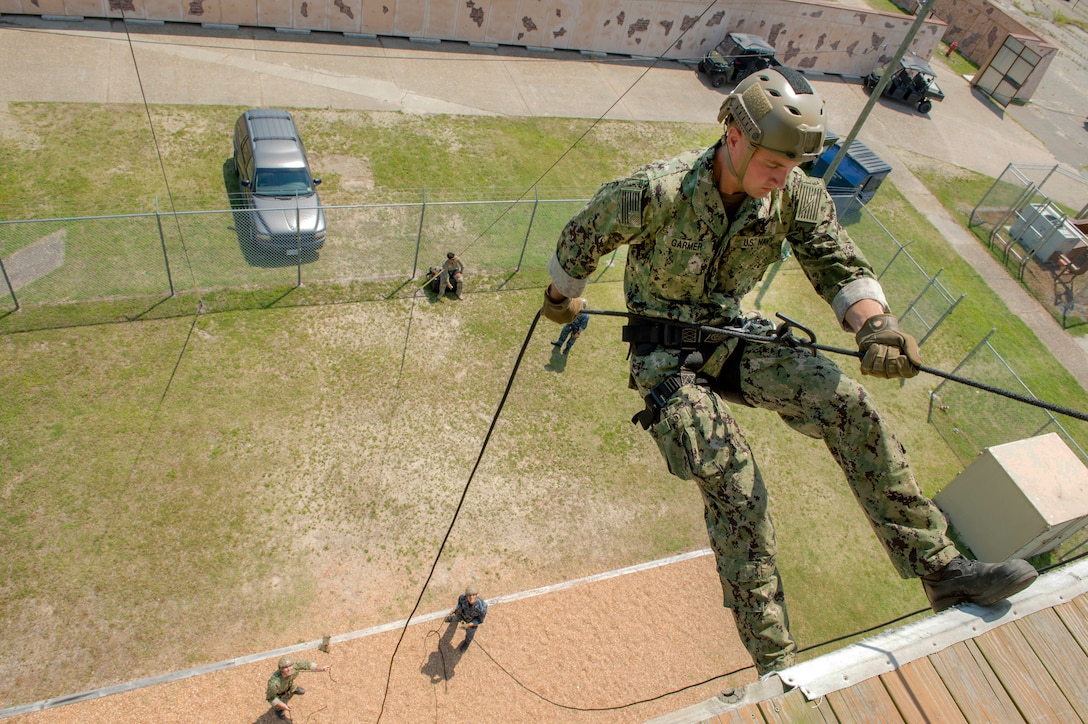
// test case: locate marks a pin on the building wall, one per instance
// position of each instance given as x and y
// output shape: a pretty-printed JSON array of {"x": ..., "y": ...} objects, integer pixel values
[
  {"x": 812, "y": 36},
  {"x": 979, "y": 28}
]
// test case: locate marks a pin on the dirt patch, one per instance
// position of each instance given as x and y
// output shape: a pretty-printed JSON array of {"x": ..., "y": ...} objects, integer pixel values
[
  {"x": 354, "y": 172},
  {"x": 35, "y": 261},
  {"x": 587, "y": 654},
  {"x": 11, "y": 130}
]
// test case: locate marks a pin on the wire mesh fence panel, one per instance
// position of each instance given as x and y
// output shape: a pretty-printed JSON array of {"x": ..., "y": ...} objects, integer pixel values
[
  {"x": 367, "y": 243},
  {"x": 488, "y": 236},
  {"x": 909, "y": 288},
  {"x": 1005, "y": 195},
  {"x": 971, "y": 419},
  {"x": 548, "y": 221},
  {"x": 216, "y": 250},
  {"x": 1065, "y": 187},
  {"x": 110, "y": 267},
  {"x": 73, "y": 260}
]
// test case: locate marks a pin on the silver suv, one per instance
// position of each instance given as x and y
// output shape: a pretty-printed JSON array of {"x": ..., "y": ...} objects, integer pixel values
[{"x": 275, "y": 180}]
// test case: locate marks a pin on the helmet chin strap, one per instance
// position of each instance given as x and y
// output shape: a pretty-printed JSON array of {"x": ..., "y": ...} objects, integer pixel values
[{"x": 739, "y": 175}]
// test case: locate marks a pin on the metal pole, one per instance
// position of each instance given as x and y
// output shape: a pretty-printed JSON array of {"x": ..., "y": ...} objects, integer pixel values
[
  {"x": 162, "y": 241},
  {"x": 528, "y": 229},
  {"x": 919, "y": 18},
  {"x": 419, "y": 233},
  {"x": 946, "y": 315},
  {"x": 298, "y": 244},
  {"x": 7, "y": 281}
]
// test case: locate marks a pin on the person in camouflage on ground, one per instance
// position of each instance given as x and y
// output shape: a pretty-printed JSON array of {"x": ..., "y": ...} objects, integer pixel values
[
  {"x": 702, "y": 229},
  {"x": 451, "y": 278},
  {"x": 281, "y": 685}
]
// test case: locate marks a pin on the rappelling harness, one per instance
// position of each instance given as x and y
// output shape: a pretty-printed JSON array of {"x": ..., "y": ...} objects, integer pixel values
[{"x": 695, "y": 344}]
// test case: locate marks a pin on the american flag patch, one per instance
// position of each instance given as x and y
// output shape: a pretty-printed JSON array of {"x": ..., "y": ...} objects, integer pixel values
[
  {"x": 631, "y": 206},
  {"x": 808, "y": 200}
]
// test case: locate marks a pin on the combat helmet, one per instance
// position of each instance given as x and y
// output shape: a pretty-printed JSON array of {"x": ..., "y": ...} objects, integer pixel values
[
  {"x": 777, "y": 109},
  {"x": 286, "y": 661}
]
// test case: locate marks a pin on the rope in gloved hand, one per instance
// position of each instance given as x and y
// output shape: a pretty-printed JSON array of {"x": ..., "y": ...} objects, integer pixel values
[{"x": 784, "y": 335}]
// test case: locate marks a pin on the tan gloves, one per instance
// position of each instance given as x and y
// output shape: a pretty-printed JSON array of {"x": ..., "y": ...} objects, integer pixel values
[
  {"x": 888, "y": 353},
  {"x": 562, "y": 312}
]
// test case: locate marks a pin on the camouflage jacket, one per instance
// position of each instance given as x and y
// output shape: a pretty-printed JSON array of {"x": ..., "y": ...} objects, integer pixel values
[
  {"x": 688, "y": 261},
  {"x": 279, "y": 685},
  {"x": 453, "y": 266}
]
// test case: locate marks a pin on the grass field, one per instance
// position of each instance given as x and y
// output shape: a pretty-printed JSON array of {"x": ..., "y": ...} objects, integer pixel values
[{"x": 191, "y": 488}]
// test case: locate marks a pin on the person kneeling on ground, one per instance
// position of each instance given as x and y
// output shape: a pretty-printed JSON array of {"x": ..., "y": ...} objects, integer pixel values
[{"x": 451, "y": 277}]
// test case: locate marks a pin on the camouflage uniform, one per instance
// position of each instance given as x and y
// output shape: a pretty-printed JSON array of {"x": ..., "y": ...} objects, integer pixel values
[
  {"x": 452, "y": 274},
  {"x": 689, "y": 261},
  {"x": 281, "y": 689}
]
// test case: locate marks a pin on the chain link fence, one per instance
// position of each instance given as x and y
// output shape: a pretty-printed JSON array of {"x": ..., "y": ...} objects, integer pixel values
[
  {"x": 84, "y": 270},
  {"x": 1034, "y": 219}
]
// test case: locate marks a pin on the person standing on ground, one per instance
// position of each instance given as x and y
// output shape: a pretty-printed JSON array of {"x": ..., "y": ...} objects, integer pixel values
[
  {"x": 574, "y": 330},
  {"x": 702, "y": 229},
  {"x": 281, "y": 686},
  {"x": 470, "y": 611}
]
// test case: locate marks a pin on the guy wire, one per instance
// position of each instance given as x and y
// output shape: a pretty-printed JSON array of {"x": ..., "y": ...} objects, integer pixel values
[{"x": 170, "y": 195}]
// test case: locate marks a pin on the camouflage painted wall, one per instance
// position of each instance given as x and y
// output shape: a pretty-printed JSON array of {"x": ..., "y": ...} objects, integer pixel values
[
  {"x": 814, "y": 36},
  {"x": 979, "y": 28}
]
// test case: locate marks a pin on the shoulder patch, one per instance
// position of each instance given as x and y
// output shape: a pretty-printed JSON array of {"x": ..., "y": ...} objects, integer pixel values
[
  {"x": 808, "y": 200},
  {"x": 632, "y": 202}
]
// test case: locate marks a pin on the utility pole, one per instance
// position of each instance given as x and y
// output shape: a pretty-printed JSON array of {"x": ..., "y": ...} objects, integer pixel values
[{"x": 919, "y": 18}]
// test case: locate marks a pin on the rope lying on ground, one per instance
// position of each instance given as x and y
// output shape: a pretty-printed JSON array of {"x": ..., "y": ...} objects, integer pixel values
[{"x": 784, "y": 335}]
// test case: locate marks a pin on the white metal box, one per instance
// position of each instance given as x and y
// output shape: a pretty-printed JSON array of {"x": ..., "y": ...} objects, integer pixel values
[
  {"x": 1018, "y": 499},
  {"x": 1044, "y": 231}
]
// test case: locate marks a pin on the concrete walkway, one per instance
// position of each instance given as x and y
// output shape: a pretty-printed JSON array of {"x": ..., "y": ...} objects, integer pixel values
[{"x": 92, "y": 62}]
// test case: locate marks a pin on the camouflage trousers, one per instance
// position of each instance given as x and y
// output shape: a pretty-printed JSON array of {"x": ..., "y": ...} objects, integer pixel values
[{"x": 700, "y": 441}]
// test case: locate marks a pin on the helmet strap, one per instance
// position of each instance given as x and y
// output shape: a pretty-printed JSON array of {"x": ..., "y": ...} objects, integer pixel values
[{"x": 739, "y": 175}]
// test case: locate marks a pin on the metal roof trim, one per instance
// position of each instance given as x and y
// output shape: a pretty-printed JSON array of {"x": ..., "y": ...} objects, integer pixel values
[{"x": 889, "y": 650}]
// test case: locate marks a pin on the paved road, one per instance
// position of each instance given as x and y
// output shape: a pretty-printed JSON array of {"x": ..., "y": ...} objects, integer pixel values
[{"x": 96, "y": 61}]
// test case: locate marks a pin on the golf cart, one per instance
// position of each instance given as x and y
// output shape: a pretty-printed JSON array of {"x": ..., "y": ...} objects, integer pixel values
[
  {"x": 913, "y": 83},
  {"x": 737, "y": 57}
]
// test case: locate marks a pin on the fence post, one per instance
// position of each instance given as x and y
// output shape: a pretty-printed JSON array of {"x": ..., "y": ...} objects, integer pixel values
[
  {"x": 7, "y": 281},
  {"x": 933, "y": 393},
  {"x": 298, "y": 244},
  {"x": 914, "y": 302},
  {"x": 971, "y": 218},
  {"x": 947, "y": 313},
  {"x": 165, "y": 256},
  {"x": 529, "y": 228},
  {"x": 900, "y": 250},
  {"x": 419, "y": 233}
]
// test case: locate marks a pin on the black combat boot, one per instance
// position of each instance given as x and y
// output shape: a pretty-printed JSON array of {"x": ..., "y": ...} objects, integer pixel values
[{"x": 984, "y": 584}]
